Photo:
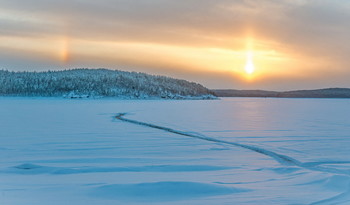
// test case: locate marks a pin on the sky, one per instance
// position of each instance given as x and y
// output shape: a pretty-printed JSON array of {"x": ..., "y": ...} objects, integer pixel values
[{"x": 238, "y": 44}]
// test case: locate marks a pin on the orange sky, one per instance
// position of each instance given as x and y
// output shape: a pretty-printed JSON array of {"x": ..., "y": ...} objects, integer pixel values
[{"x": 292, "y": 44}]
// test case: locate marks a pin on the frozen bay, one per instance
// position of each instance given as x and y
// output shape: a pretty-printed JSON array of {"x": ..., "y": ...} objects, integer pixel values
[{"x": 61, "y": 151}]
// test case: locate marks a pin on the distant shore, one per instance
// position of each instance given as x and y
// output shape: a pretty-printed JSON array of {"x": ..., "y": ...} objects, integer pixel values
[{"x": 319, "y": 93}]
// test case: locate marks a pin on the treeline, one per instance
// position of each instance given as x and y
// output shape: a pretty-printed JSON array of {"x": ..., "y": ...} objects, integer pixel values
[
  {"x": 97, "y": 83},
  {"x": 319, "y": 93}
]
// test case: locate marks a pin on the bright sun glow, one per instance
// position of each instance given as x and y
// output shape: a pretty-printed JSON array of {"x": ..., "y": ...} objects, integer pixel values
[{"x": 249, "y": 67}]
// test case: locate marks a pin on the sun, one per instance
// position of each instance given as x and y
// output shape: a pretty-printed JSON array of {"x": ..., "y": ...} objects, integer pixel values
[{"x": 249, "y": 67}]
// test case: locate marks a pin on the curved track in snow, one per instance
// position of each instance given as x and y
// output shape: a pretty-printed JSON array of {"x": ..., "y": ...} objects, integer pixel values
[{"x": 282, "y": 159}]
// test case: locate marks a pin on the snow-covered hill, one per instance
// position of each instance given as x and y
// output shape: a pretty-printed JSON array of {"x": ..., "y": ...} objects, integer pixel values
[{"x": 83, "y": 83}]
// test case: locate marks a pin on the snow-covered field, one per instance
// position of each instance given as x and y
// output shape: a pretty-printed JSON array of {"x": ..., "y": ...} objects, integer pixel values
[{"x": 229, "y": 151}]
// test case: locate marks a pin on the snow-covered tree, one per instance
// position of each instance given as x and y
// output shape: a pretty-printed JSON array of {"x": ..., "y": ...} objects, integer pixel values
[{"x": 97, "y": 82}]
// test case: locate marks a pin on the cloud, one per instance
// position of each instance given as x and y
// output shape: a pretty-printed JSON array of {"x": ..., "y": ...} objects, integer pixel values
[{"x": 311, "y": 34}]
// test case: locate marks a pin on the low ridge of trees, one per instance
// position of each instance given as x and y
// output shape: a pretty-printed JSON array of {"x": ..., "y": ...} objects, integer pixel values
[
  {"x": 97, "y": 83},
  {"x": 319, "y": 93}
]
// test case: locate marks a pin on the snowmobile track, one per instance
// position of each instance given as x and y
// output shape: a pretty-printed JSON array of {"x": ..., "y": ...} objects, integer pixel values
[{"x": 282, "y": 159}]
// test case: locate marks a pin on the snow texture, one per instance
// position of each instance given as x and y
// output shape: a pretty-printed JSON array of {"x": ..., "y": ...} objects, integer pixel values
[{"x": 230, "y": 151}]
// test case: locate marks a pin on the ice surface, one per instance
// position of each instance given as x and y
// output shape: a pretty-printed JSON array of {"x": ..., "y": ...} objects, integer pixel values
[{"x": 59, "y": 151}]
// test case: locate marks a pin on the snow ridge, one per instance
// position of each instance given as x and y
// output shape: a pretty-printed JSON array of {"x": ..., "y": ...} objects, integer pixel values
[{"x": 29, "y": 169}]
